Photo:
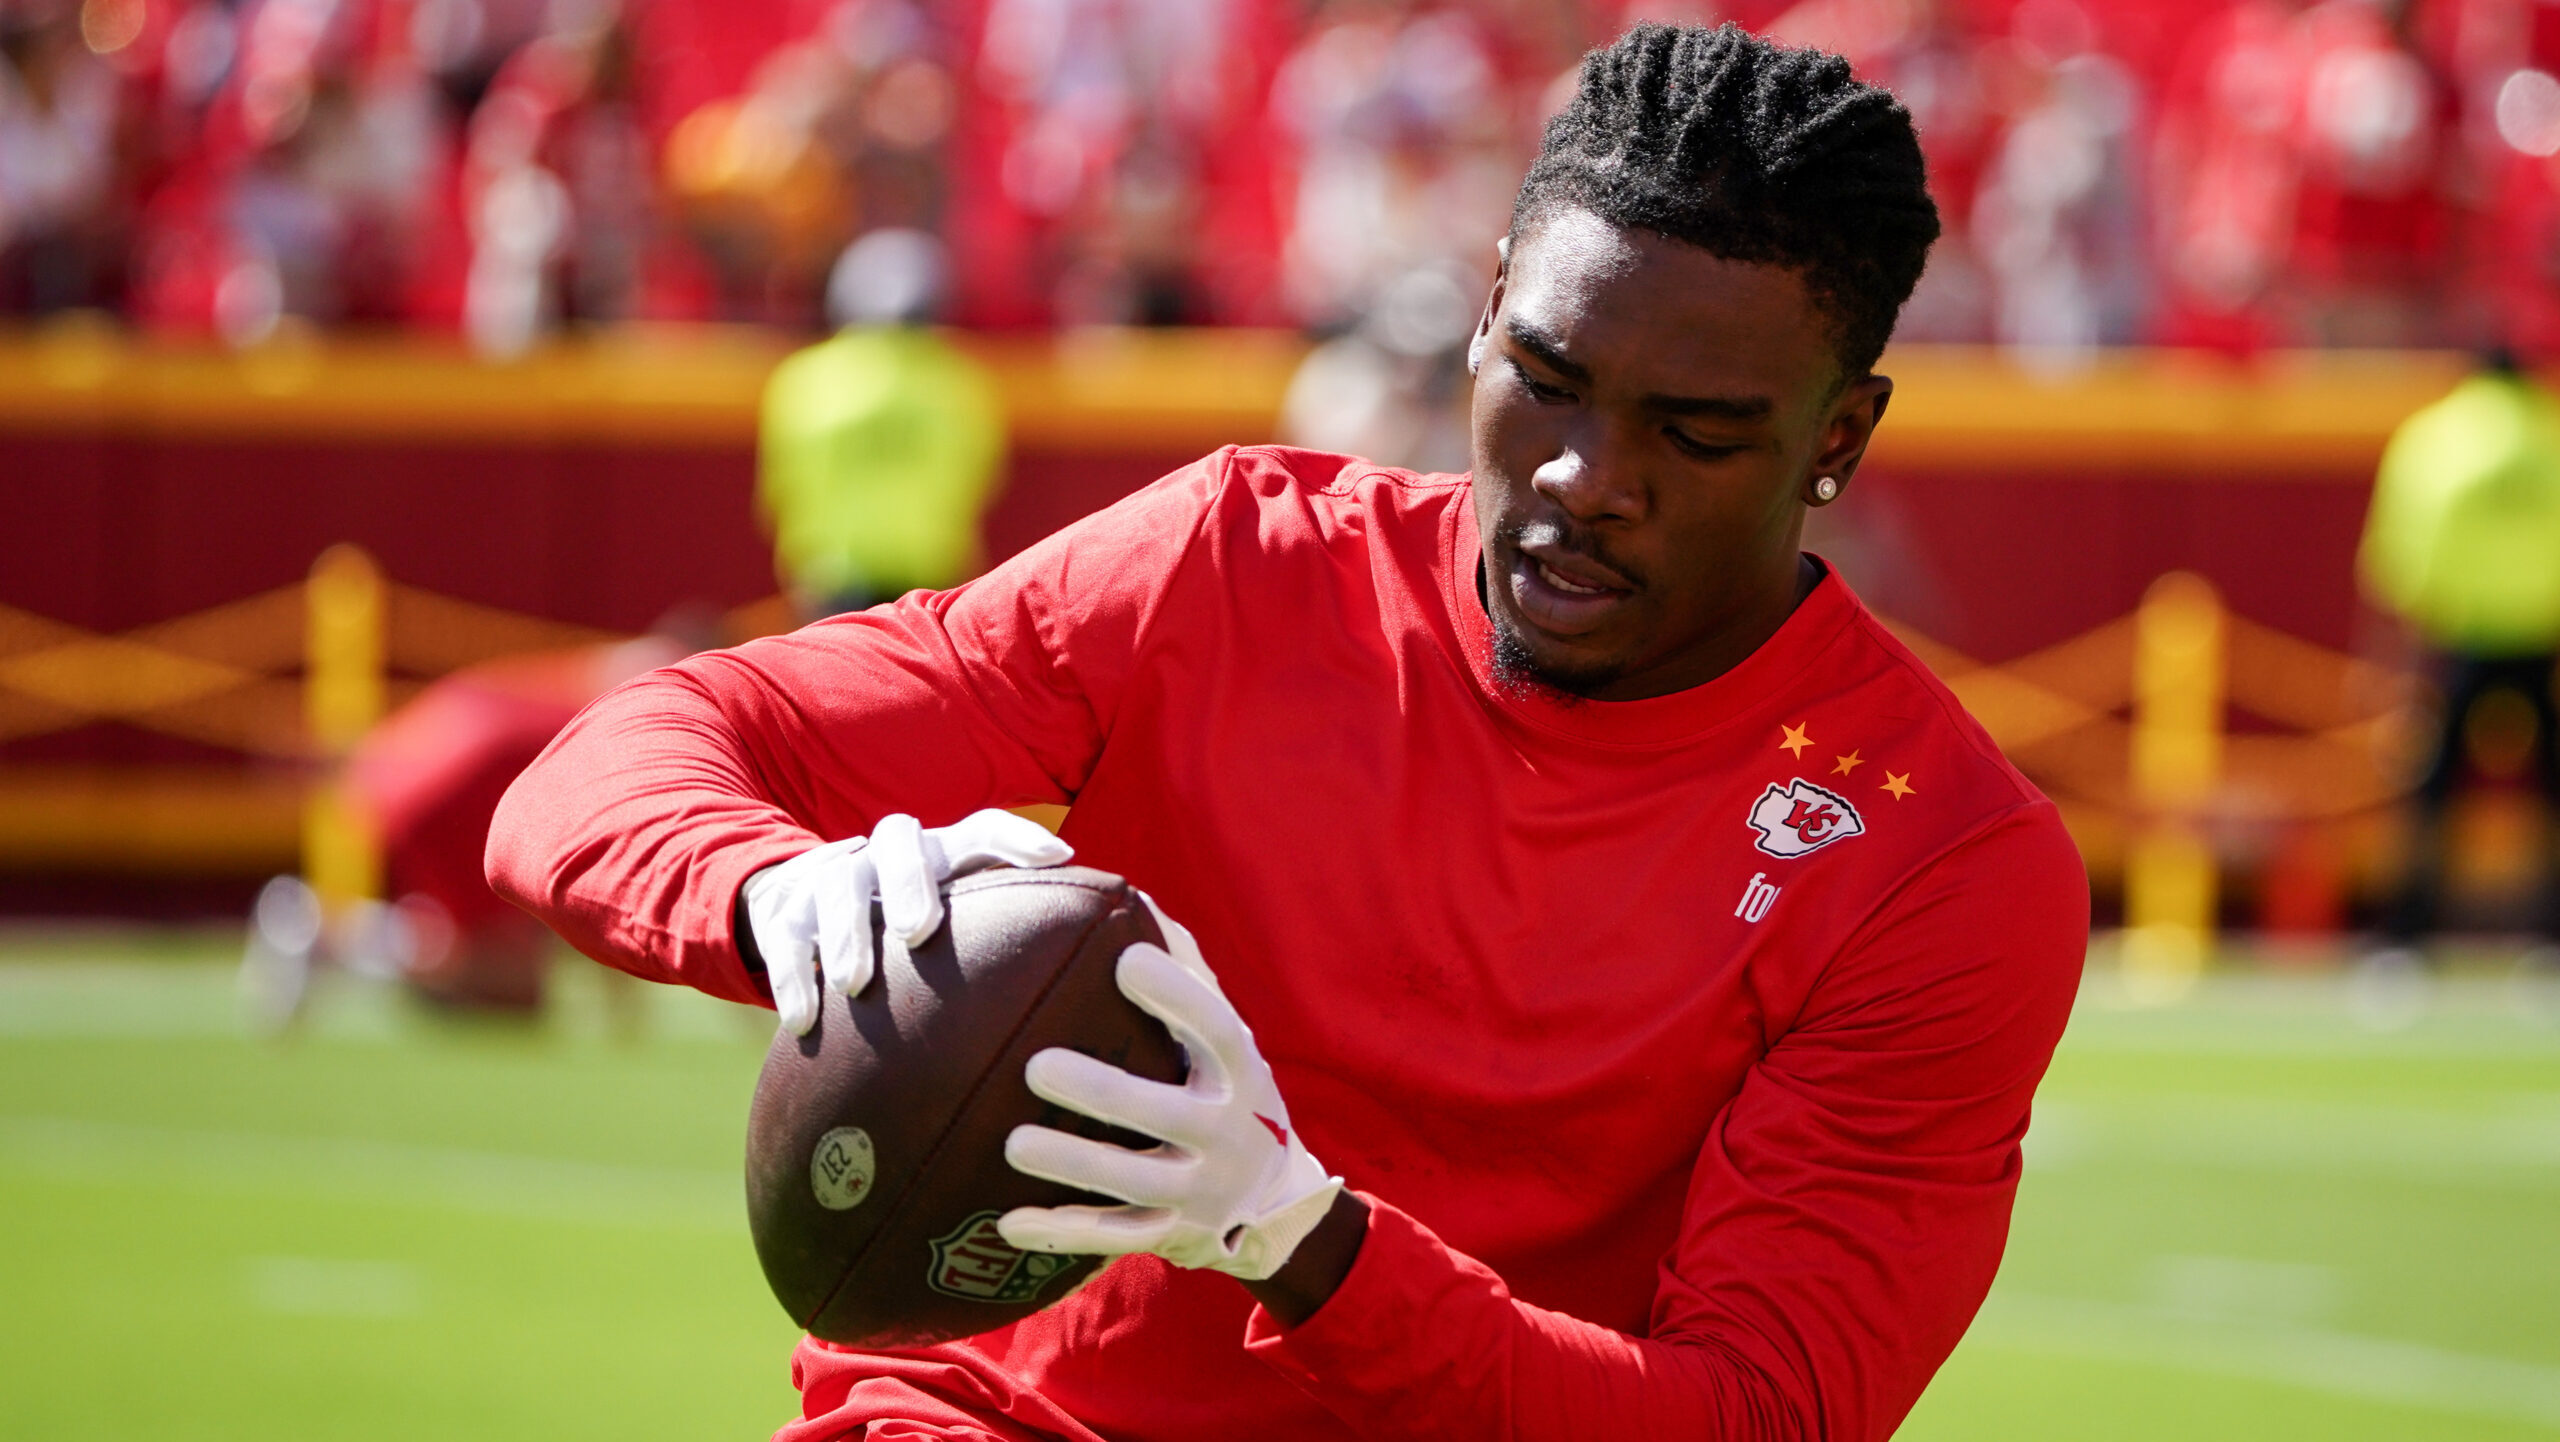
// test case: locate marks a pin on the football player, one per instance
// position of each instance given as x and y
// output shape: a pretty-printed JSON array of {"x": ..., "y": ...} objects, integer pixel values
[{"x": 1627, "y": 970}]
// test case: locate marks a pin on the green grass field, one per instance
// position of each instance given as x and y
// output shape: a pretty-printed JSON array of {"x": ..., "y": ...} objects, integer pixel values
[{"x": 2245, "y": 1216}]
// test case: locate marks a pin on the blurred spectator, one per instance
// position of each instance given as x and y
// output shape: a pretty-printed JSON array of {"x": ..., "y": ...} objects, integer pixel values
[
  {"x": 2374, "y": 137},
  {"x": 2224, "y": 168},
  {"x": 2506, "y": 55},
  {"x": 1923, "y": 51},
  {"x": 1113, "y": 173},
  {"x": 1394, "y": 388},
  {"x": 880, "y": 446},
  {"x": 315, "y": 189},
  {"x": 428, "y": 779},
  {"x": 839, "y": 132},
  {"x": 2303, "y": 164},
  {"x": 557, "y": 186},
  {"x": 2463, "y": 541},
  {"x": 2345, "y": 172},
  {"x": 1407, "y": 155},
  {"x": 58, "y": 120},
  {"x": 2057, "y": 222},
  {"x": 462, "y": 45}
]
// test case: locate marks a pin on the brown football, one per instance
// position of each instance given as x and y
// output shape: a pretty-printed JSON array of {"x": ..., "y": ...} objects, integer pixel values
[{"x": 875, "y": 1148}]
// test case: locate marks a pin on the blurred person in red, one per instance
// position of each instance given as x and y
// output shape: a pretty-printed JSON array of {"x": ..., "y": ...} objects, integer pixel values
[
  {"x": 427, "y": 780},
  {"x": 59, "y": 113}
]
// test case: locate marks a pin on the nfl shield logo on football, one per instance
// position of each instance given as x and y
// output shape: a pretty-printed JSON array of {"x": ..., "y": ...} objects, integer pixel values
[
  {"x": 1801, "y": 817},
  {"x": 974, "y": 1262}
]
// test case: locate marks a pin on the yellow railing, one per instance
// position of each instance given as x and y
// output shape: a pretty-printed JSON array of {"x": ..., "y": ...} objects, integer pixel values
[
  {"x": 2125, "y": 725},
  {"x": 2179, "y": 673},
  {"x": 288, "y": 679},
  {"x": 233, "y": 677}
]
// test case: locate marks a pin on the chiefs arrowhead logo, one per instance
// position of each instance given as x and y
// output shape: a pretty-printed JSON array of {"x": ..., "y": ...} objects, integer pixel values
[{"x": 1801, "y": 817}]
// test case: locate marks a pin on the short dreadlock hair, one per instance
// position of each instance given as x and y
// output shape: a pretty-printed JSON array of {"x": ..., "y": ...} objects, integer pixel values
[{"x": 1753, "y": 152}]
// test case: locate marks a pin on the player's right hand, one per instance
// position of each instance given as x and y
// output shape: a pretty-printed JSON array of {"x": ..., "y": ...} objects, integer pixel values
[{"x": 811, "y": 915}]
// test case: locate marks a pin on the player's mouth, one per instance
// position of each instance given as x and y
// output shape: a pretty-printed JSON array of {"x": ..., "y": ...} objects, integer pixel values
[{"x": 1564, "y": 593}]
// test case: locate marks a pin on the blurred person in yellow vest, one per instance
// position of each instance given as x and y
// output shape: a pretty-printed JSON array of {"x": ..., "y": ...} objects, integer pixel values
[
  {"x": 2463, "y": 542},
  {"x": 881, "y": 445}
]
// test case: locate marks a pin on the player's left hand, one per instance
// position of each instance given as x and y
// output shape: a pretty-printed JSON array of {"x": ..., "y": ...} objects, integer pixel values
[
  {"x": 1232, "y": 1187},
  {"x": 810, "y": 916}
]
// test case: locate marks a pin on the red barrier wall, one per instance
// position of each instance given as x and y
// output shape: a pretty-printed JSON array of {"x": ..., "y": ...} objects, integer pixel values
[{"x": 2002, "y": 512}]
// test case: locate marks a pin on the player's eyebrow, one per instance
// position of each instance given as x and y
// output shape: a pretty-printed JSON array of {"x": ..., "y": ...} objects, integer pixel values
[
  {"x": 1546, "y": 348},
  {"x": 1723, "y": 408},
  {"x": 1551, "y": 355}
]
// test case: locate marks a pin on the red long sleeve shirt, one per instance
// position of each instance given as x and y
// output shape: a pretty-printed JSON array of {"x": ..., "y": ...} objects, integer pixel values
[{"x": 1687, "y": 1042}]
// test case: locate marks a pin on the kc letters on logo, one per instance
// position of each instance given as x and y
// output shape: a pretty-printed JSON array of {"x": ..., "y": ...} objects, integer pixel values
[{"x": 1800, "y": 817}]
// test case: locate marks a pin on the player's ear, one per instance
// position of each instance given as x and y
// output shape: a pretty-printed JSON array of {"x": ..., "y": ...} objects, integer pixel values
[
  {"x": 1853, "y": 422},
  {"x": 1492, "y": 303}
]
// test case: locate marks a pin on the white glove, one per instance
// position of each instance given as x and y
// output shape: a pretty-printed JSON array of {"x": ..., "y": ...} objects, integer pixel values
[
  {"x": 811, "y": 915},
  {"x": 1232, "y": 1188}
]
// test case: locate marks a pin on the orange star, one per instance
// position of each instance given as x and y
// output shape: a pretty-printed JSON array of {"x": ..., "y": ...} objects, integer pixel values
[
  {"x": 1796, "y": 739},
  {"x": 1900, "y": 785},
  {"x": 1848, "y": 763}
]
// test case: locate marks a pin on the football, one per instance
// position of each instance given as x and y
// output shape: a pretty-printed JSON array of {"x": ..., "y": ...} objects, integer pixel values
[{"x": 875, "y": 1146}]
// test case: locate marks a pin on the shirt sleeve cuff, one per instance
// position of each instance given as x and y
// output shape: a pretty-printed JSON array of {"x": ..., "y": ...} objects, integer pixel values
[
  {"x": 1362, "y": 1339},
  {"x": 715, "y": 965}
]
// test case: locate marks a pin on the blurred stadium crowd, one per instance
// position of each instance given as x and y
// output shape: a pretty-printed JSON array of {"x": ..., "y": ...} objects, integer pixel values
[{"x": 2187, "y": 172}]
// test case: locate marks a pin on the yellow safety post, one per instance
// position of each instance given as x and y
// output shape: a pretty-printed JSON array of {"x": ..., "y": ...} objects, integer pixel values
[
  {"x": 2178, "y": 672},
  {"x": 342, "y": 698}
]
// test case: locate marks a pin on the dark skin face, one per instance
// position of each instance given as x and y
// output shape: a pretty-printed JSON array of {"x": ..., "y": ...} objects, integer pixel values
[{"x": 1650, "y": 422}]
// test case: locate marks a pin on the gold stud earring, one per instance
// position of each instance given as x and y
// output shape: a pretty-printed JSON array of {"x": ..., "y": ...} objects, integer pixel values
[{"x": 1826, "y": 489}]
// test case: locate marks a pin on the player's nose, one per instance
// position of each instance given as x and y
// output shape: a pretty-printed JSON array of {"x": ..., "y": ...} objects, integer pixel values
[{"x": 1586, "y": 483}]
